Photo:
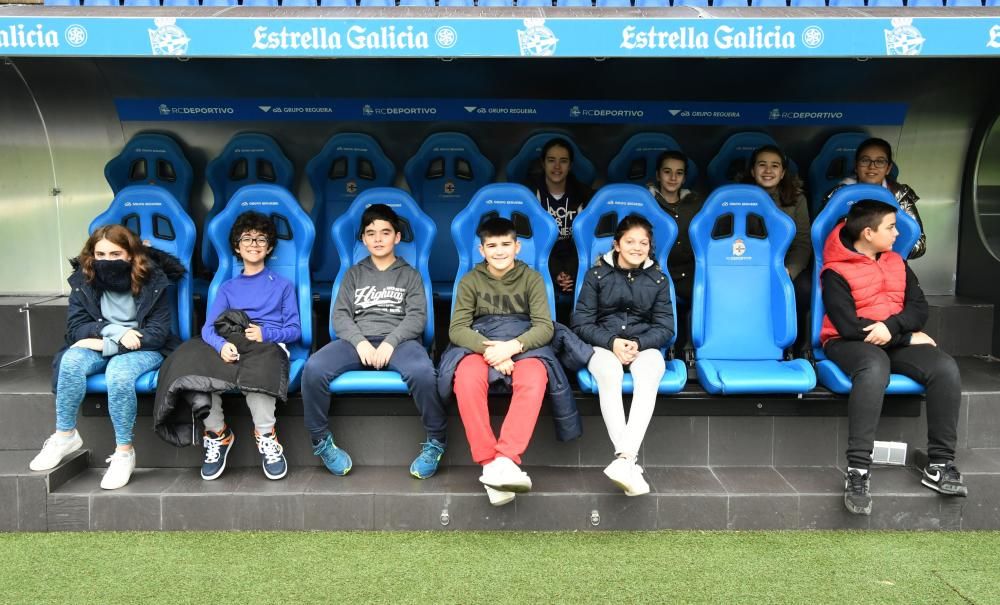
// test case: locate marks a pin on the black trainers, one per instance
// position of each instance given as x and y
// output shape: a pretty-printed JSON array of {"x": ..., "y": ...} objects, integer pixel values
[
  {"x": 944, "y": 478},
  {"x": 856, "y": 496}
]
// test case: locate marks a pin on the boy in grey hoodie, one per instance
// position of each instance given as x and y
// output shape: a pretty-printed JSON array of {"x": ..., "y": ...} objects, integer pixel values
[{"x": 379, "y": 317}]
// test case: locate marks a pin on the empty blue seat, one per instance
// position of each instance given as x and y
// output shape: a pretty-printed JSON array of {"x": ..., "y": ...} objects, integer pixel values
[
  {"x": 418, "y": 232},
  {"x": 526, "y": 164},
  {"x": 690, "y": 2},
  {"x": 219, "y": 3},
  {"x": 885, "y": 3},
  {"x": 456, "y": 3},
  {"x": 636, "y": 161},
  {"x": 732, "y": 158},
  {"x": 180, "y": 3},
  {"x": 300, "y": 3},
  {"x": 834, "y": 163},
  {"x": 100, "y": 2},
  {"x": 416, "y": 2},
  {"x": 155, "y": 216},
  {"x": 62, "y": 2},
  {"x": 807, "y": 3},
  {"x": 743, "y": 307},
  {"x": 830, "y": 375},
  {"x": 588, "y": 3},
  {"x": 290, "y": 258},
  {"x": 344, "y": 3},
  {"x": 142, "y": 2},
  {"x": 443, "y": 175},
  {"x": 992, "y": 3},
  {"x": 847, "y": 3},
  {"x": 536, "y": 230},
  {"x": 652, "y": 3},
  {"x": 545, "y": 3},
  {"x": 152, "y": 159},
  {"x": 730, "y": 3},
  {"x": 768, "y": 3},
  {"x": 593, "y": 232},
  {"x": 925, "y": 3},
  {"x": 260, "y": 2},
  {"x": 496, "y": 2},
  {"x": 975, "y": 3},
  {"x": 247, "y": 158},
  {"x": 348, "y": 164},
  {"x": 377, "y": 3}
]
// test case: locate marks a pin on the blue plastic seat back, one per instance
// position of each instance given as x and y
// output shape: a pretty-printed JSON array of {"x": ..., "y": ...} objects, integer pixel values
[
  {"x": 594, "y": 228},
  {"x": 377, "y": 3},
  {"x": 423, "y": 3},
  {"x": 299, "y": 2},
  {"x": 834, "y": 163},
  {"x": 925, "y": 3},
  {"x": 417, "y": 229},
  {"x": 636, "y": 161},
  {"x": 260, "y": 2},
  {"x": 496, "y": 2},
  {"x": 443, "y": 175},
  {"x": 181, "y": 3},
  {"x": 768, "y": 3},
  {"x": 536, "y": 230},
  {"x": 807, "y": 3},
  {"x": 885, "y": 3},
  {"x": 690, "y": 2},
  {"x": 100, "y": 3},
  {"x": 152, "y": 159},
  {"x": 652, "y": 3},
  {"x": 834, "y": 211},
  {"x": 456, "y": 2},
  {"x": 141, "y": 3},
  {"x": 219, "y": 2},
  {"x": 731, "y": 161},
  {"x": 343, "y": 3},
  {"x": 348, "y": 164},
  {"x": 730, "y": 3},
  {"x": 526, "y": 164},
  {"x": 62, "y": 2},
  {"x": 588, "y": 3},
  {"x": 157, "y": 218},
  {"x": 848, "y": 3},
  {"x": 975, "y": 3},
  {"x": 290, "y": 258},
  {"x": 743, "y": 304},
  {"x": 247, "y": 158},
  {"x": 526, "y": 3}
]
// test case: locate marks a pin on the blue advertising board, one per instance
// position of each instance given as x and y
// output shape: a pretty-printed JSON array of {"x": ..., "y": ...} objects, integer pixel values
[
  {"x": 511, "y": 110},
  {"x": 32, "y": 33}
]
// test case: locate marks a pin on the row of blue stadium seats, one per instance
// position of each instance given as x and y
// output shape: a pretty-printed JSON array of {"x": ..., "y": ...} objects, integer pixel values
[
  {"x": 536, "y": 3},
  {"x": 740, "y": 238},
  {"x": 442, "y": 175}
]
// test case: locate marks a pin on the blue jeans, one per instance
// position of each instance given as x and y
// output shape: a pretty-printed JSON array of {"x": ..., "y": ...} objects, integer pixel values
[
  {"x": 120, "y": 373},
  {"x": 410, "y": 359}
]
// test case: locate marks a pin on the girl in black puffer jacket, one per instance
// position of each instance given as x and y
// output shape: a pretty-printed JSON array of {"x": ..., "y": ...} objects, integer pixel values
[{"x": 624, "y": 310}]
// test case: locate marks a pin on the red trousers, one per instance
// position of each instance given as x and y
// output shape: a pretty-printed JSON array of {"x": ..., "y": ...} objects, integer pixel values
[{"x": 530, "y": 380}]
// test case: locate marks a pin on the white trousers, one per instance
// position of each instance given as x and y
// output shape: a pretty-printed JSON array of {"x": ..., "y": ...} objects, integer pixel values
[{"x": 646, "y": 370}]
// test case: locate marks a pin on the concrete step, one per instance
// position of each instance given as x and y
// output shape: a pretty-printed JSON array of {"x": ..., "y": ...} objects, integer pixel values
[
  {"x": 24, "y": 493},
  {"x": 387, "y": 498}
]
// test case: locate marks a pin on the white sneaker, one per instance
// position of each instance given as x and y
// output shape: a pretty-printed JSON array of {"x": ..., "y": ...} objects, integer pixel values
[
  {"x": 120, "y": 467},
  {"x": 54, "y": 450},
  {"x": 499, "y": 497},
  {"x": 627, "y": 475},
  {"x": 504, "y": 475}
]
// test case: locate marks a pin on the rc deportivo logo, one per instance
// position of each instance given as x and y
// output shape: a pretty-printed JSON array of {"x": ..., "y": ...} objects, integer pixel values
[
  {"x": 536, "y": 40},
  {"x": 903, "y": 38},
  {"x": 167, "y": 38}
]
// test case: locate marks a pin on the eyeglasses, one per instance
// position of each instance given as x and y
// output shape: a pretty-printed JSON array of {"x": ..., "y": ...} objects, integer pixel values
[
  {"x": 878, "y": 162},
  {"x": 256, "y": 241}
]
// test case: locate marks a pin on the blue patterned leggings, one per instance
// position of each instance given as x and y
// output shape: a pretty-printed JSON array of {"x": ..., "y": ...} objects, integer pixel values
[{"x": 120, "y": 373}]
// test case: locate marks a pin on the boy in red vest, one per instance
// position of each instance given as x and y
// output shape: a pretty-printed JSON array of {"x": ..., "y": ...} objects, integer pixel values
[{"x": 875, "y": 310}]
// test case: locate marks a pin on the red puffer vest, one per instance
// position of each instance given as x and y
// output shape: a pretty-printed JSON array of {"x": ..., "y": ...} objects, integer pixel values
[{"x": 878, "y": 287}]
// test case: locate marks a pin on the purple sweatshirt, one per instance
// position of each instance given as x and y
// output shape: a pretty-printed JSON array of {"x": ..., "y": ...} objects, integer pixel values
[{"x": 267, "y": 298}]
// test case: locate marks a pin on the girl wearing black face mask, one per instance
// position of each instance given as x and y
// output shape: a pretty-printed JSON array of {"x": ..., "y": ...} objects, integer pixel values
[{"x": 118, "y": 322}]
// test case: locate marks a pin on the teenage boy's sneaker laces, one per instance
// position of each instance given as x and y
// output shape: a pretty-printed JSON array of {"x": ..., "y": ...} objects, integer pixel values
[
  {"x": 426, "y": 463},
  {"x": 944, "y": 478},
  {"x": 272, "y": 454},
  {"x": 336, "y": 460},
  {"x": 54, "y": 450},
  {"x": 217, "y": 446},
  {"x": 856, "y": 496}
]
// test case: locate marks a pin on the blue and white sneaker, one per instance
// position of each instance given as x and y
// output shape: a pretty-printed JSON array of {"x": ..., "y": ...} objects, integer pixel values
[
  {"x": 272, "y": 455},
  {"x": 217, "y": 446},
  {"x": 336, "y": 460},
  {"x": 426, "y": 464}
]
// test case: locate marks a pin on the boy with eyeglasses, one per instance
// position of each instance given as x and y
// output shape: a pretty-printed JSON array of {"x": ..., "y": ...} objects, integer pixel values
[{"x": 269, "y": 301}]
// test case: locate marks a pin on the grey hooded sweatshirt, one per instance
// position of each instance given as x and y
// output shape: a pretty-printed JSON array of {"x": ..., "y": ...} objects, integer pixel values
[{"x": 373, "y": 303}]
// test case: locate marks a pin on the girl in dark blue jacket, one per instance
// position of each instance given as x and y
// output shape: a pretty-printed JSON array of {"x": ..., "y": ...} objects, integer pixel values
[
  {"x": 624, "y": 310},
  {"x": 118, "y": 322}
]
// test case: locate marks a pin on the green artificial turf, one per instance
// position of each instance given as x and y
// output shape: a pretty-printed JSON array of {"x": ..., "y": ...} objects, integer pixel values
[{"x": 481, "y": 567}]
